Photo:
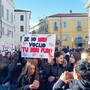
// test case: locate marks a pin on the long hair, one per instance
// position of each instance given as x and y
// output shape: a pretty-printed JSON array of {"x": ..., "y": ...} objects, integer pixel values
[
  {"x": 77, "y": 56},
  {"x": 25, "y": 68},
  {"x": 2, "y": 64},
  {"x": 64, "y": 63},
  {"x": 58, "y": 54}
]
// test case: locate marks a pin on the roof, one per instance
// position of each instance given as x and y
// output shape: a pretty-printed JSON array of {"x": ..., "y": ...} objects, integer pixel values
[
  {"x": 87, "y": 4},
  {"x": 18, "y": 10},
  {"x": 35, "y": 25},
  {"x": 70, "y": 15}
]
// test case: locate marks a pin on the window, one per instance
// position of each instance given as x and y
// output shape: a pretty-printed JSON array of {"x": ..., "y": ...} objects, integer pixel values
[
  {"x": 79, "y": 24},
  {"x": 79, "y": 41},
  {"x": 2, "y": 30},
  {"x": 2, "y": 11},
  {"x": 7, "y": 14},
  {"x": 21, "y": 18},
  {"x": 12, "y": 34},
  {"x": 20, "y": 38},
  {"x": 46, "y": 28},
  {"x": 42, "y": 28},
  {"x": 11, "y": 17},
  {"x": 21, "y": 28},
  {"x": 86, "y": 38},
  {"x": 64, "y": 24},
  {"x": 79, "y": 35},
  {"x": 55, "y": 26},
  {"x": 7, "y": 32},
  {"x": 65, "y": 37}
]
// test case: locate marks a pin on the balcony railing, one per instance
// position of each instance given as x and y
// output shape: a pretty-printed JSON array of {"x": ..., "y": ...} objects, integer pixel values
[
  {"x": 79, "y": 28},
  {"x": 58, "y": 42}
]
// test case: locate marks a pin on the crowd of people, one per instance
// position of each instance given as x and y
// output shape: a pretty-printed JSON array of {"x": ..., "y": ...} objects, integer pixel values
[{"x": 67, "y": 70}]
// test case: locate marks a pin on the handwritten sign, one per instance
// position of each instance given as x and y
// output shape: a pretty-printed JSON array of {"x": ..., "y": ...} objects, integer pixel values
[
  {"x": 7, "y": 48},
  {"x": 38, "y": 45}
]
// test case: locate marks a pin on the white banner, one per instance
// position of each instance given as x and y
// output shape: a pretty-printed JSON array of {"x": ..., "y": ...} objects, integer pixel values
[
  {"x": 7, "y": 48},
  {"x": 38, "y": 45}
]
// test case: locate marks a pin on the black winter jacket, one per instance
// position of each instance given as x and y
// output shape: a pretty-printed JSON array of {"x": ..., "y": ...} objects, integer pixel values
[
  {"x": 24, "y": 82},
  {"x": 57, "y": 70},
  {"x": 10, "y": 66},
  {"x": 73, "y": 85},
  {"x": 3, "y": 73}
]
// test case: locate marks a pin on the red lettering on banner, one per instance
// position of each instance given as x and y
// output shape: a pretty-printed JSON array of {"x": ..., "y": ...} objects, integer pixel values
[
  {"x": 24, "y": 49},
  {"x": 40, "y": 39},
  {"x": 46, "y": 50},
  {"x": 34, "y": 49},
  {"x": 42, "y": 50}
]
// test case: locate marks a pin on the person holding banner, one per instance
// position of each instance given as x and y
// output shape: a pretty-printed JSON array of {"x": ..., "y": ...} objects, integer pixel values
[
  {"x": 29, "y": 79},
  {"x": 59, "y": 66}
]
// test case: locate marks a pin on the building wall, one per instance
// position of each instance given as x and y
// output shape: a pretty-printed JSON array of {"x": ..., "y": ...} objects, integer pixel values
[
  {"x": 89, "y": 22},
  {"x": 51, "y": 26},
  {"x": 34, "y": 29},
  {"x": 88, "y": 7},
  {"x": 7, "y": 25},
  {"x": 19, "y": 23},
  {"x": 70, "y": 30},
  {"x": 89, "y": 11},
  {"x": 0, "y": 21}
]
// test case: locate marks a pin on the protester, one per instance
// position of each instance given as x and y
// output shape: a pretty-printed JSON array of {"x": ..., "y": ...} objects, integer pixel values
[
  {"x": 66, "y": 54},
  {"x": 74, "y": 57},
  {"x": 15, "y": 72},
  {"x": 10, "y": 66},
  {"x": 38, "y": 63},
  {"x": 3, "y": 73},
  {"x": 29, "y": 79},
  {"x": 81, "y": 79},
  {"x": 85, "y": 54},
  {"x": 57, "y": 69}
]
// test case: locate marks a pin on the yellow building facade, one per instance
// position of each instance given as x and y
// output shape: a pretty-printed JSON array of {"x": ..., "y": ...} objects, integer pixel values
[{"x": 68, "y": 29}]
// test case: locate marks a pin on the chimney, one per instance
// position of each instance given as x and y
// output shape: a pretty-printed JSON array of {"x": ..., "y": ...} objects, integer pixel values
[{"x": 70, "y": 11}]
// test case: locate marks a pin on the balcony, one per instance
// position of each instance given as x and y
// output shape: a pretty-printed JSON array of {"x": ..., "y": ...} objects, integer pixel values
[
  {"x": 58, "y": 42},
  {"x": 79, "y": 41},
  {"x": 79, "y": 28}
]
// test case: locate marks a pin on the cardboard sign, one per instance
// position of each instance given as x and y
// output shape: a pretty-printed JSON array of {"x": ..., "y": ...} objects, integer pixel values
[
  {"x": 7, "y": 48},
  {"x": 38, "y": 45}
]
